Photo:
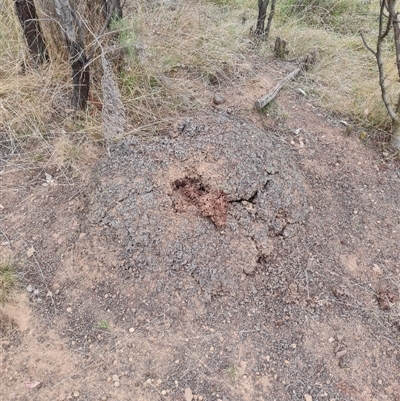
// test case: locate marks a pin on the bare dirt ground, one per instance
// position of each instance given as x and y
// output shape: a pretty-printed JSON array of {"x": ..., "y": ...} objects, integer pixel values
[{"x": 236, "y": 256}]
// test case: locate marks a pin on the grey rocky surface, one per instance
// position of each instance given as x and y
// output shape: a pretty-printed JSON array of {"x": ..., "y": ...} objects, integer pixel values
[{"x": 134, "y": 201}]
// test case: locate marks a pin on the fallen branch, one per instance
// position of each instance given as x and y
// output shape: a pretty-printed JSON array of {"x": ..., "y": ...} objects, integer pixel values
[
  {"x": 270, "y": 96},
  {"x": 304, "y": 64}
]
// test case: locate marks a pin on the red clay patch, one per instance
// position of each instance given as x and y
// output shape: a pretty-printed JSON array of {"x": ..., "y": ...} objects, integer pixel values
[{"x": 213, "y": 205}]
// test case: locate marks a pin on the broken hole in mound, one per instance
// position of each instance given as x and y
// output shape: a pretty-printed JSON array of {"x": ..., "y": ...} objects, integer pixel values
[{"x": 211, "y": 203}]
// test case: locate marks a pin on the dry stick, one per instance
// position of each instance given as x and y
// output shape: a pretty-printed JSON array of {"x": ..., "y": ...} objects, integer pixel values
[{"x": 270, "y": 96}]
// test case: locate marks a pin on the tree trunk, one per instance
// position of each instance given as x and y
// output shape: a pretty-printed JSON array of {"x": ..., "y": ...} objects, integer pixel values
[
  {"x": 269, "y": 23},
  {"x": 262, "y": 14},
  {"x": 33, "y": 34},
  {"x": 396, "y": 32},
  {"x": 395, "y": 139},
  {"x": 73, "y": 35}
]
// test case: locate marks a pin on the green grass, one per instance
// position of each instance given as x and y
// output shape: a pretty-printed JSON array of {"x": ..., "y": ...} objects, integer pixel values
[
  {"x": 103, "y": 325},
  {"x": 232, "y": 372},
  {"x": 8, "y": 281}
]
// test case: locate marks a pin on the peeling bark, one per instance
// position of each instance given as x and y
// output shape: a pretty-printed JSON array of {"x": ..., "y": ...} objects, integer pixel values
[{"x": 73, "y": 35}]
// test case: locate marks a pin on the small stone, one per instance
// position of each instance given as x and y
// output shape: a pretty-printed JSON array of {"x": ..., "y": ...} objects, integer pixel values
[
  {"x": 76, "y": 394},
  {"x": 307, "y": 397},
  {"x": 132, "y": 330},
  {"x": 30, "y": 252},
  {"x": 188, "y": 394},
  {"x": 380, "y": 382},
  {"x": 116, "y": 384},
  {"x": 267, "y": 358},
  {"x": 293, "y": 346},
  {"x": 212, "y": 349},
  {"x": 163, "y": 392},
  {"x": 115, "y": 378},
  {"x": 29, "y": 288},
  {"x": 218, "y": 99},
  {"x": 331, "y": 340},
  {"x": 148, "y": 381},
  {"x": 69, "y": 310},
  {"x": 200, "y": 398},
  {"x": 376, "y": 269},
  {"x": 341, "y": 353},
  {"x": 159, "y": 381},
  {"x": 177, "y": 361},
  {"x": 109, "y": 379}
]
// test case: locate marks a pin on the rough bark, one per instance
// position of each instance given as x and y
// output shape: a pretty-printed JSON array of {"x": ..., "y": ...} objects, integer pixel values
[
  {"x": 73, "y": 35},
  {"x": 280, "y": 47},
  {"x": 262, "y": 14},
  {"x": 27, "y": 16}
]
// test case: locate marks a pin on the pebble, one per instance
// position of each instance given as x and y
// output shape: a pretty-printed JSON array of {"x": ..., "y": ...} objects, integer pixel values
[
  {"x": 163, "y": 392},
  {"x": 200, "y": 398},
  {"x": 218, "y": 99},
  {"x": 115, "y": 378},
  {"x": 29, "y": 288},
  {"x": 76, "y": 394},
  {"x": 131, "y": 330},
  {"x": 188, "y": 394},
  {"x": 307, "y": 397},
  {"x": 159, "y": 381},
  {"x": 69, "y": 310},
  {"x": 109, "y": 379},
  {"x": 116, "y": 384}
]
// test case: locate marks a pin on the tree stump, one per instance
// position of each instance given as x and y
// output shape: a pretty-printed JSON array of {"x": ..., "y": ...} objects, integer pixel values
[{"x": 280, "y": 47}]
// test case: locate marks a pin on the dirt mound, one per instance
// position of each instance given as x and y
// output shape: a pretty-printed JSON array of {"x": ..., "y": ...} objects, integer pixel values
[
  {"x": 136, "y": 292},
  {"x": 253, "y": 174}
]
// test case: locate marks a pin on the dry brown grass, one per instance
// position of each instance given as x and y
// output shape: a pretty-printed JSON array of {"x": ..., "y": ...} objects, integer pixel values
[
  {"x": 345, "y": 79},
  {"x": 172, "y": 57}
]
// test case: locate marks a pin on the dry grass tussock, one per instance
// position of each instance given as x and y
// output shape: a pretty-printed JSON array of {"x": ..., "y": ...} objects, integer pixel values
[
  {"x": 175, "y": 50},
  {"x": 345, "y": 79},
  {"x": 167, "y": 56}
]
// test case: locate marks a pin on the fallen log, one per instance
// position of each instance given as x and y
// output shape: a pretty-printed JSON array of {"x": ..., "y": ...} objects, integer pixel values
[{"x": 271, "y": 95}]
